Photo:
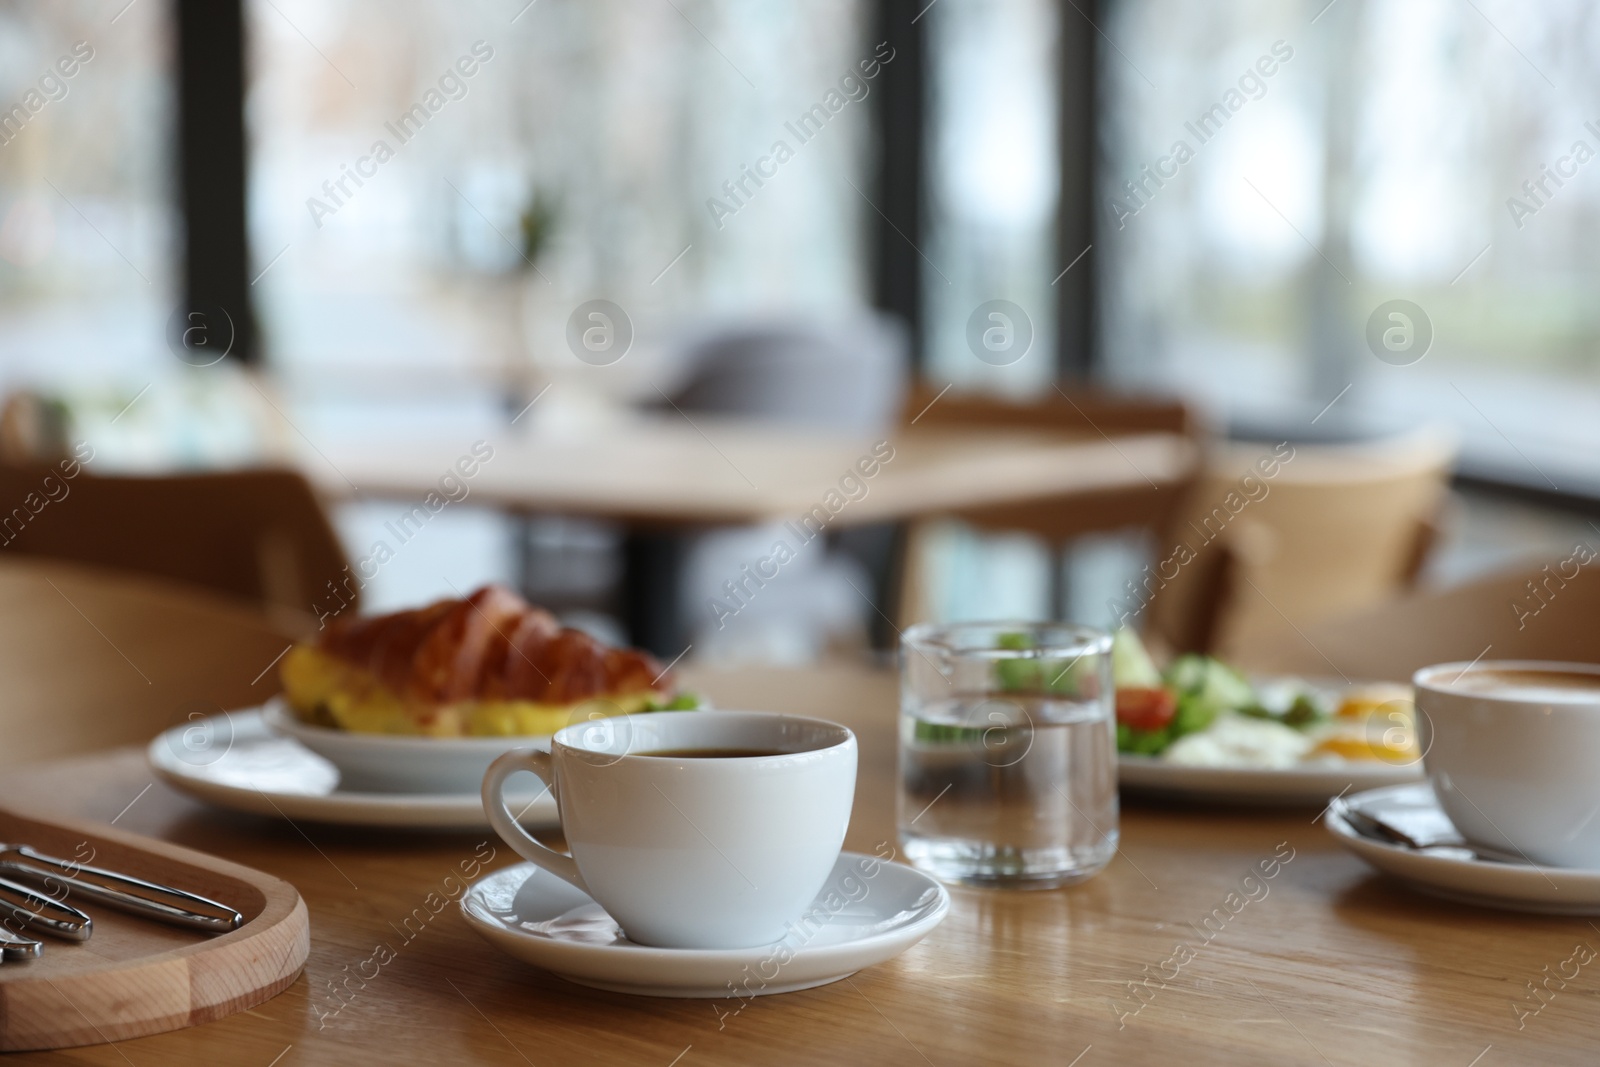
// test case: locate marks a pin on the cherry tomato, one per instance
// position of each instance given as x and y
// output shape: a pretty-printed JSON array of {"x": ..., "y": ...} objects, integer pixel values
[{"x": 1146, "y": 709}]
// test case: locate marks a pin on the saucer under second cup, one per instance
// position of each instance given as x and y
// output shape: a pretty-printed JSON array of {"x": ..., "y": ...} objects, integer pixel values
[{"x": 1510, "y": 886}]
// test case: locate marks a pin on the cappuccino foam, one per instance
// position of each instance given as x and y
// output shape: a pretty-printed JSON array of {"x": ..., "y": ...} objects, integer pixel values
[{"x": 1532, "y": 686}]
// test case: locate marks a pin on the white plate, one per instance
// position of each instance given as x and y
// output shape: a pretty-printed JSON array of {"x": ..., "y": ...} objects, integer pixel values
[
  {"x": 1511, "y": 886},
  {"x": 396, "y": 763},
  {"x": 542, "y": 920},
  {"x": 234, "y": 761},
  {"x": 1310, "y": 783},
  {"x": 1305, "y": 784}
]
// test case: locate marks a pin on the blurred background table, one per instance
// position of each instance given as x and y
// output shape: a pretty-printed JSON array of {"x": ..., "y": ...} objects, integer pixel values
[
  {"x": 659, "y": 477},
  {"x": 713, "y": 471},
  {"x": 1334, "y": 965}
]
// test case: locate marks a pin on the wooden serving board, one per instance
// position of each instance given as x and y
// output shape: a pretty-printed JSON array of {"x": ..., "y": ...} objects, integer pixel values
[{"x": 133, "y": 976}]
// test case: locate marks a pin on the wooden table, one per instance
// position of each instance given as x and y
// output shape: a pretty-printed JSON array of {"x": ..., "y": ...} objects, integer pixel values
[
  {"x": 655, "y": 475},
  {"x": 1333, "y": 965},
  {"x": 678, "y": 471}
]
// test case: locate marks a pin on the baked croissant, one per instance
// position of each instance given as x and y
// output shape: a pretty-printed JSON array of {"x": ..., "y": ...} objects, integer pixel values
[{"x": 487, "y": 665}]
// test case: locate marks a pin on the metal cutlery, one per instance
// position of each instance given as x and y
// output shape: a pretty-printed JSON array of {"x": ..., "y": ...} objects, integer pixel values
[
  {"x": 124, "y": 892},
  {"x": 24, "y": 870},
  {"x": 1390, "y": 832},
  {"x": 43, "y": 913},
  {"x": 16, "y": 947}
]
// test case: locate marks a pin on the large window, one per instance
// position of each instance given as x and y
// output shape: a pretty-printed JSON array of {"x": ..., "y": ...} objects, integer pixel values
[
  {"x": 87, "y": 275},
  {"x": 1310, "y": 168},
  {"x": 435, "y": 187},
  {"x": 993, "y": 180}
]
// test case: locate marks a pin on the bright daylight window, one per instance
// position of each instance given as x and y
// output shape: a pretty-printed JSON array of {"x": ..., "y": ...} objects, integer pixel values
[
  {"x": 87, "y": 231},
  {"x": 1433, "y": 152},
  {"x": 993, "y": 181},
  {"x": 577, "y": 160}
]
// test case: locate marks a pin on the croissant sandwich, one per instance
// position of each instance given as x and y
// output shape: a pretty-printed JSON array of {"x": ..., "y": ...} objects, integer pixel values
[{"x": 489, "y": 665}]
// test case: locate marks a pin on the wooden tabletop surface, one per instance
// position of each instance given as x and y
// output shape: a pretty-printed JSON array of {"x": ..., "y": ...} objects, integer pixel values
[
  {"x": 709, "y": 470},
  {"x": 1323, "y": 963}
]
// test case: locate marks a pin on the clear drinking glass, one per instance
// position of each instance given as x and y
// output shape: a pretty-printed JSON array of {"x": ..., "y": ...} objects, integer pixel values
[{"x": 1008, "y": 770}]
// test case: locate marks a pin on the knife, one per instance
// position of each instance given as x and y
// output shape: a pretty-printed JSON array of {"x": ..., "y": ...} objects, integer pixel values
[{"x": 124, "y": 892}]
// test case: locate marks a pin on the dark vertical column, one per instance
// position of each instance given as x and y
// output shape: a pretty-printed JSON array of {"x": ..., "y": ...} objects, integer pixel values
[
  {"x": 651, "y": 591},
  {"x": 211, "y": 164},
  {"x": 1077, "y": 292},
  {"x": 899, "y": 189}
]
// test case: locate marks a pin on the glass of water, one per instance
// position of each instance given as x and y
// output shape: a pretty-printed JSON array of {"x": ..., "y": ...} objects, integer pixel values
[{"x": 1008, "y": 772}]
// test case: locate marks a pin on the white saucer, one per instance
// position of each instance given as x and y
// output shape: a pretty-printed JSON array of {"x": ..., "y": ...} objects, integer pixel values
[
  {"x": 234, "y": 761},
  {"x": 536, "y": 917},
  {"x": 1306, "y": 784},
  {"x": 1511, "y": 886}
]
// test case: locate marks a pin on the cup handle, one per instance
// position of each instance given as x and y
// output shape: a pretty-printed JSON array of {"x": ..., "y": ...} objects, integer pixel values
[{"x": 505, "y": 824}]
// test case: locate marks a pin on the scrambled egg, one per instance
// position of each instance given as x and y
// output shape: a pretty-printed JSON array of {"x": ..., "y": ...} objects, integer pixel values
[{"x": 327, "y": 691}]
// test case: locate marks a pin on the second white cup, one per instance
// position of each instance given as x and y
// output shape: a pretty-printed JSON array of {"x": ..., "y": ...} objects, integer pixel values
[{"x": 1512, "y": 749}]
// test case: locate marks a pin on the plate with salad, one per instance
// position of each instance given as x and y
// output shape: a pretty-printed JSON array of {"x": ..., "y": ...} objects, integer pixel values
[{"x": 1202, "y": 728}]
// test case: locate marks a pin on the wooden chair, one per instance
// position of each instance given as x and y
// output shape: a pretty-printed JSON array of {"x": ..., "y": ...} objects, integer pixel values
[
  {"x": 1329, "y": 529},
  {"x": 1535, "y": 611},
  {"x": 97, "y": 658},
  {"x": 1079, "y": 412},
  {"x": 259, "y": 535}
]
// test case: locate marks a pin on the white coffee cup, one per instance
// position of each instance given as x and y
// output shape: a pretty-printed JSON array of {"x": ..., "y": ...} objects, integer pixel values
[
  {"x": 691, "y": 851},
  {"x": 1513, "y": 751}
]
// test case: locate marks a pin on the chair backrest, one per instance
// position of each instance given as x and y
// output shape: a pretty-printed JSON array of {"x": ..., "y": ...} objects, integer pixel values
[
  {"x": 1078, "y": 412},
  {"x": 1292, "y": 532},
  {"x": 94, "y": 658},
  {"x": 259, "y": 535},
  {"x": 1543, "y": 610}
]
